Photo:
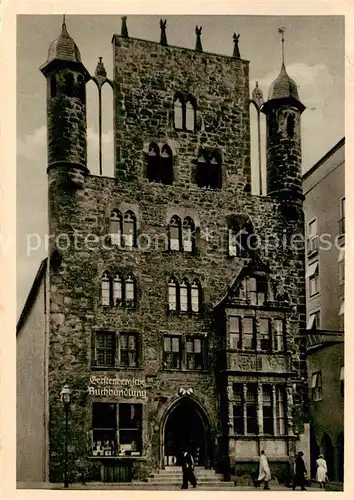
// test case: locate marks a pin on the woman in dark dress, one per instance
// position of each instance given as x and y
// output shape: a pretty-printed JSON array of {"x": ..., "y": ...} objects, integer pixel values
[{"x": 300, "y": 471}]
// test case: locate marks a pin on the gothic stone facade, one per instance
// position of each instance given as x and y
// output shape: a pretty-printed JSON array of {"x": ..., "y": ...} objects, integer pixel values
[{"x": 170, "y": 334}]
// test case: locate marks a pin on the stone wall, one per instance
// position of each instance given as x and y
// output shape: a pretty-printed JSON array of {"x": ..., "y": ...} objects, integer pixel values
[{"x": 147, "y": 76}]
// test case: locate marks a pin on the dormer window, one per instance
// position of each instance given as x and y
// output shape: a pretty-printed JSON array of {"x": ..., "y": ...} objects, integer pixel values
[{"x": 184, "y": 112}]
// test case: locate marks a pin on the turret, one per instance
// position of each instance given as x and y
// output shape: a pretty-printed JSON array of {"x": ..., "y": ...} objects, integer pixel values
[
  {"x": 283, "y": 111},
  {"x": 66, "y": 106}
]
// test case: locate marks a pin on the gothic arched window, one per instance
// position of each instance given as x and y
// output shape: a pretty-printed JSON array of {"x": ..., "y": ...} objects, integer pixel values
[
  {"x": 153, "y": 162},
  {"x": 209, "y": 173},
  {"x": 172, "y": 294},
  {"x": 130, "y": 290},
  {"x": 175, "y": 233},
  {"x": 115, "y": 227},
  {"x": 165, "y": 170},
  {"x": 184, "y": 290},
  {"x": 118, "y": 290},
  {"x": 190, "y": 116},
  {"x": 188, "y": 235},
  {"x": 178, "y": 113},
  {"x": 195, "y": 296},
  {"x": 106, "y": 289},
  {"x": 129, "y": 229}
]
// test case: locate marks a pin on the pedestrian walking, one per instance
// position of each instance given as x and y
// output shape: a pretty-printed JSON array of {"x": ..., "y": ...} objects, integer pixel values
[
  {"x": 188, "y": 470},
  {"x": 264, "y": 472},
  {"x": 300, "y": 472},
  {"x": 321, "y": 473}
]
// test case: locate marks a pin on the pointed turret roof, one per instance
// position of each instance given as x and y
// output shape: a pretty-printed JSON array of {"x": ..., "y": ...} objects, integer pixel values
[
  {"x": 63, "y": 50},
  {"x": 283, "y": 86}
]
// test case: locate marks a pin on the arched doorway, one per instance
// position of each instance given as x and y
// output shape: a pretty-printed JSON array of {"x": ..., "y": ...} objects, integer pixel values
[
  {"x": 328, "y": 452},
  {"x": 186, "y": 427}
]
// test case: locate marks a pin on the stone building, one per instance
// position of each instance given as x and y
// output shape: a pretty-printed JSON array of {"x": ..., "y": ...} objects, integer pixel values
[
  {"x": 324, "y": 208},
  {"x": 172, "y": 302}
]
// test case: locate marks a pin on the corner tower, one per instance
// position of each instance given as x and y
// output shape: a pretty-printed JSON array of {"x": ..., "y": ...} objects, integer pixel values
[
  {"x": 66, "y": 106},
  {"x": 283, "y": 111}
]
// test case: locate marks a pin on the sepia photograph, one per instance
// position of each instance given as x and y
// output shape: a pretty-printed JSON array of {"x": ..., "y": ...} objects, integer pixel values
[{"x": 180, "y": 254}]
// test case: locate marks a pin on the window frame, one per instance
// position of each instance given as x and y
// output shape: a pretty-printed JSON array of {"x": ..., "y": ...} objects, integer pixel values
[
  {"x": 166, "y": 365},
  {"x": 128, "y": 350},
  {"x": 316, "y": 386}
]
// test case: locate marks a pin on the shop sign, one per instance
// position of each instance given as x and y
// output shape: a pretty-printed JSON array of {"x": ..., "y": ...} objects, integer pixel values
[{"x": 118, "y": 387}]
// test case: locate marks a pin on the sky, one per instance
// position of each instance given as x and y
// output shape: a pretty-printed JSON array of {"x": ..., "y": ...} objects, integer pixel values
[{"x": 314, "y": 58}]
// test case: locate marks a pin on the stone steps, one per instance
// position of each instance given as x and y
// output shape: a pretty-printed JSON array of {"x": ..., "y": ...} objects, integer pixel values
[{"x": 172, "y": 477}]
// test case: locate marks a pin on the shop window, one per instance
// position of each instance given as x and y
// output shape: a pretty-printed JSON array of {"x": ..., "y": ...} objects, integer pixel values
[
  {"x": 130, "y": 429},
  {"x": 278, "y": 334},
  {"x": 342, "y": 381},
  {"x": 175, "y": 233},
  {"x": 268, "y": 422},
  {"x": 280, "y": 410},
  {"x": 104, "y": 355},
  {"x": 188, "y": 235},
  {"x": 172, "y": 356},
  {"x": 115, "y": 228},
  {"x": 264, "y": 334},
  {"x": 129, "y": 229},
  {"x": 251, "y": 409},
  {"x": 172, "y": 294},
  {"x": 104, "y": 429},
  {"x": 128, "y": 350},
  {"x": 106, "y": 289},
  {"x": 195, "y": 353},
  {"x": 238, "y": 417},
  {"x": 316, "y": 386},
  {"x": 235, "y": 332},
  {"x": 248, "y": 337}
]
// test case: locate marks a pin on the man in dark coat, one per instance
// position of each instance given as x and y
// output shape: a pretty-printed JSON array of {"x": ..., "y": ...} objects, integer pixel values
[
  {"x": 300, "y": 471},
  {"x": 188, "y": 470}
]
